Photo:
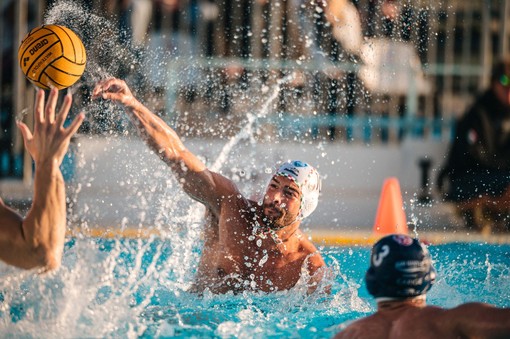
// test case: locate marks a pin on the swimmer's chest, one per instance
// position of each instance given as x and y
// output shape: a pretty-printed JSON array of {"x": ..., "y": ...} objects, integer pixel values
[
  {"x": 243, "y": 250},
  {"x": 268, "y": 268}
]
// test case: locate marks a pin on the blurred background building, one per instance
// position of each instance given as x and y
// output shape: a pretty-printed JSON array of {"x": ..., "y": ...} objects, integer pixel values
[{"x": 381, "y": 71}]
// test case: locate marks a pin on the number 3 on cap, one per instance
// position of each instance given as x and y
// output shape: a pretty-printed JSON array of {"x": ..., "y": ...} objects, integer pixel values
[{"x": 378, "y": 257}]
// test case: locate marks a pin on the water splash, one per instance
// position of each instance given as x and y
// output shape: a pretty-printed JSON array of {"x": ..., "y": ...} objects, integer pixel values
[
  {"x": 465, "y": 270},
  {"x": 247, "y": 131},
  {"x": 132, "y": 288},
  {"x": 107, "y": 55}
]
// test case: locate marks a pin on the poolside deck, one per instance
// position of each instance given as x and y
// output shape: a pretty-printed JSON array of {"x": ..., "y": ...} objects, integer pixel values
[
  {"x": 112, "y": 195},
  {"x": 321, "y": 237}
]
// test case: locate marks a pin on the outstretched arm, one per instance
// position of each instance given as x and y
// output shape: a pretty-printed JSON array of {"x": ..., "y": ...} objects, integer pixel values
[
  {"x": 197, "y": 181},
  {"x": 38, "y": 240}
]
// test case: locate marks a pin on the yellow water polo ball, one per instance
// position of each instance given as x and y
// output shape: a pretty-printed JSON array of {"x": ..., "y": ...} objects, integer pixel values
[{"x": 52, "y": 56}]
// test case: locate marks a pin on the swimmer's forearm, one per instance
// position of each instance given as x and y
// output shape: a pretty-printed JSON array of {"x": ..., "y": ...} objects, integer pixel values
[
  {"x": 190, "y": 171},
  {"x": 161, "y": 138},
  {"x": 153, "y": 130},
  {"x": 45, "y": 224}
]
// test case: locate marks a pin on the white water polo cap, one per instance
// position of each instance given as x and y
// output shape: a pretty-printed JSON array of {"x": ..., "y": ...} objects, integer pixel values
[{"x": 307, "y": 179}]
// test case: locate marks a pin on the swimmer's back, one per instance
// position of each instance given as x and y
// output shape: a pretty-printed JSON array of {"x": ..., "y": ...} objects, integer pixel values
[
  {"x": 465, "y": 321},
  {"x": 395, "y": 324}
]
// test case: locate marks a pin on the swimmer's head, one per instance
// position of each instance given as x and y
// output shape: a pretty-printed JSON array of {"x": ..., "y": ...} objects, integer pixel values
[
  {"x": 307, "y": 179},
  {"x": 400, "y": 267}
]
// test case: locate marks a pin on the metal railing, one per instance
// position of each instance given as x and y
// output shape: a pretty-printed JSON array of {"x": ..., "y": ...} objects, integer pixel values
[{"x": 313, "y": 115}]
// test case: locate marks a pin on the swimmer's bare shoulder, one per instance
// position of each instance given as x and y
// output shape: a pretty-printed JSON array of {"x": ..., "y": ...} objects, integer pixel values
[
  {"x": 479, "y": 320},
  {"x": 371, "y": 327},
  {"x": 214, "y": 190},
  {"x": 407, "y": 322},
  {"x": 472, "y": 320}
]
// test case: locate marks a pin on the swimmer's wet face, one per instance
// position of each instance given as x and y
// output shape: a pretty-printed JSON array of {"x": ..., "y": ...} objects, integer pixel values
[
  {"x": 282, "y": 202},
  {"x": 307, "y": 180}
]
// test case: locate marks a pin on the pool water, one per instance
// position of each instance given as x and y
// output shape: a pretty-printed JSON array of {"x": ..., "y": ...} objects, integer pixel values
[{"x": 137, "y": 288}]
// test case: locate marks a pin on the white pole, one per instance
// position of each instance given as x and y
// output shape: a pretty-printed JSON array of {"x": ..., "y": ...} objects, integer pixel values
[{"x": 20, "y": 31}]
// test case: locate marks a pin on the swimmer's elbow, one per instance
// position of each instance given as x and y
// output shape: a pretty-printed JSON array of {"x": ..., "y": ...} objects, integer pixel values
[
  {"x": 44, "y": 258},
  {"x": 40, "y": 250},
  {"x": 49, "y": 260},
  {"x": 37, "y": 260}
]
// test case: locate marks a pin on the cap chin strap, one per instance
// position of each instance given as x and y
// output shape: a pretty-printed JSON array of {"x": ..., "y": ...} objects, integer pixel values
[
  {"x": 296, "y": 219},
  {"x": 299, "y": 217}
]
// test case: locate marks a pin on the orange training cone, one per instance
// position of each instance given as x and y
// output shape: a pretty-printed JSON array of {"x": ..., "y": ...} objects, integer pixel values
[{"x": 390, "y": 217}]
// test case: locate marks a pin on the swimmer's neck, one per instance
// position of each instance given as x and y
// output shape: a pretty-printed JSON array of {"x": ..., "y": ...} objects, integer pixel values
[
  {"x": 285, "y": 239},
  {"x": 287, "y": 232},
  {"x": 392, "y": 305}
]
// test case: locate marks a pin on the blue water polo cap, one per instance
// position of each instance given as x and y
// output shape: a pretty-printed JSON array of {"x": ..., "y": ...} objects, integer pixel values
[
  {"x": 307, "y": 179},
  {"x": 400, "y": 267}
]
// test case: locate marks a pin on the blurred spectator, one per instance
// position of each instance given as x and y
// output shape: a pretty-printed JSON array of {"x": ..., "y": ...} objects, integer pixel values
[
  {"x": 390, "y": 68},
  {"x": 11, "y": 150},
  {"x": 346, "y": 24},
  {"x": 346, "y": 31},
  {"x": 133, "y": 17},
  {"x": 173, "y": 46},
  {"x": 390, "y": 10},
  {"x": 230, "y": 76},
  {"x": 477, "y": 169},
  {"x": 141, "y": 14}
]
